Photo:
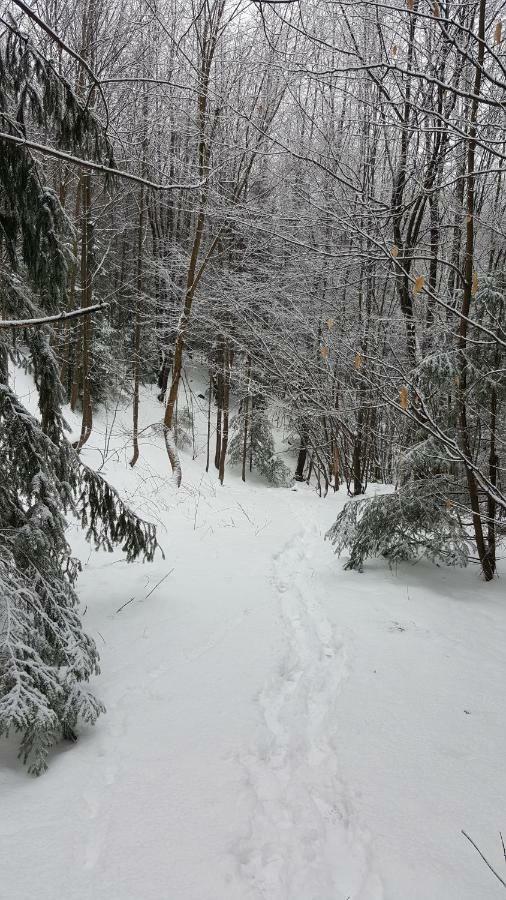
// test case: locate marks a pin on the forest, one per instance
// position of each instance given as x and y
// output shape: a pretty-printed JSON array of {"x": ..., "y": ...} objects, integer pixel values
[{"x": 252, "y": 319}]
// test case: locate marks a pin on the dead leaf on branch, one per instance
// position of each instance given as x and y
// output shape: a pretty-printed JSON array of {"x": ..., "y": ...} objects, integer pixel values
[
  {"x": 419, "y": 283},
  {"x": 358, "y": 361},
  {"x": 324, "y": 352},
  {"x": 404, "y": 398}
]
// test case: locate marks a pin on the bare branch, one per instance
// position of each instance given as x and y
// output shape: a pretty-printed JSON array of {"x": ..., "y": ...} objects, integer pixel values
[
  {"x": 98, "y": 167},
  {"x": 50, "y": 320}
]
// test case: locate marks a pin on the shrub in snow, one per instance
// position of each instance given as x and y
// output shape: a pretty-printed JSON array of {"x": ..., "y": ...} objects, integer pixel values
[
  {"x": 414, "y": 521},
  {"x": 183, "y": 428},
  {"x": 259, "y": 447}
]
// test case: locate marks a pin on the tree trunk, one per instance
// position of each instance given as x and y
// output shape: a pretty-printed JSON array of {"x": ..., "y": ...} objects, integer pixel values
[
  {"x": 137, "y": 333},
  {"x": 487, "y": 563},
  {"x": 86, "y": 300},
  {"x": 209, "y": 419},
  {"x": 246, "y": 424},
  {"x": 208, "y": 41},
  {"x": 227, "y": 366},
  {"x": 301, "y": 459}
]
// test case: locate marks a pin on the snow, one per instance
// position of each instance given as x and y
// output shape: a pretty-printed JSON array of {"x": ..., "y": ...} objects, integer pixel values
[{"x": 277, "y": 727}]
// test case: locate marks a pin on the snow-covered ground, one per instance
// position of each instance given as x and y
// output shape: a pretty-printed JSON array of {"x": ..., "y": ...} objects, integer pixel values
[{"x": 277, "y": 727}]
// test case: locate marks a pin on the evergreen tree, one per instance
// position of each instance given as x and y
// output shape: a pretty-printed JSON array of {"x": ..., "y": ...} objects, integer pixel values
[
  {"x": 412, "y": 522},
  {"x": 183, "y": 428},
  {"x": 260, "y": 445},
  {"x": 46, "y": 659}
]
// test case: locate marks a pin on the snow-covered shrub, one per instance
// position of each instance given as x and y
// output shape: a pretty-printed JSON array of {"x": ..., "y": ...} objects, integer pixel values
[
  {"x": 276, "y": 472},
  {"x": 412, "y": 522},
  {"x": 107, "y": 375},
  {"x": 183, "y": 428},
  {"x": 260, "y": 446}
]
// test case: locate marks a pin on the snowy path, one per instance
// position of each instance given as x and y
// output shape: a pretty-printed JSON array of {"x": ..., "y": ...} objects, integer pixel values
[
  {"x": 303, "y": 841},
  {"x": 277, "y": 728}
]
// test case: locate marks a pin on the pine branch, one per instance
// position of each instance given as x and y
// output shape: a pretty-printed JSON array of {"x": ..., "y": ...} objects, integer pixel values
[{"x": 61, "y": 43}]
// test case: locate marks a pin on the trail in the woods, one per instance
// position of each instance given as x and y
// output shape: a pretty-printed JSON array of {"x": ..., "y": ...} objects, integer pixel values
[
  {"x": 304, "y": 841},
  {"x": 298, "y": 837},
  {"x": 277, "y": 728}
]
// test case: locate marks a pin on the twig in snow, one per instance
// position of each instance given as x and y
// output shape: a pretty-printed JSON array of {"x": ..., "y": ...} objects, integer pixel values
[
  {"x": 125, "y": 604},
  {"x": 484, "y": 858},
  {"x": 197, "y": 504},
  {"x": 261, "y": 527},
  {"x": 245, "y": 513},
  {"x": 158, "y": 584}
]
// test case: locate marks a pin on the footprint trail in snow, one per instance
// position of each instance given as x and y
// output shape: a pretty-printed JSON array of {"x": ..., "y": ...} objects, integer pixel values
[{"x": 304, "y": 841}]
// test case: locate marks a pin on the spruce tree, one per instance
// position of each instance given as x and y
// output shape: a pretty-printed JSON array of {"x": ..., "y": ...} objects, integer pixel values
[
  {"x": 412, "y": 522},
  {"x": 260, "y": 445},
  {"x": 183, "y": 428},
  {"x": 46, "y": 659}
]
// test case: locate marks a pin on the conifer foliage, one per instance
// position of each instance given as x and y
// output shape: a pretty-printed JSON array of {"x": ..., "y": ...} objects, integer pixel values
[
  {"x": 413, "y": 522},
  {"x": 258, "y": 443},
  {"x": 46, "y": 659}
]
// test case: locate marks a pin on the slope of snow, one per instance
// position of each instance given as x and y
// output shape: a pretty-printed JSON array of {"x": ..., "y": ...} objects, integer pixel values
[{"x": 277, "y": 728}]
